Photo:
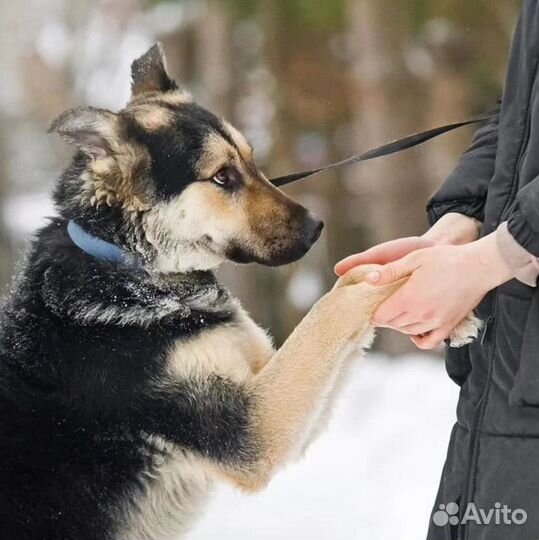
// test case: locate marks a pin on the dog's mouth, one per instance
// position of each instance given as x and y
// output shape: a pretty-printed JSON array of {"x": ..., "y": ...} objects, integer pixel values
[{"x": 278, "y": 251}]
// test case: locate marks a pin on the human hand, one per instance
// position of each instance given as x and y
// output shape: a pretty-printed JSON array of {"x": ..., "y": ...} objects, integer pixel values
[
  {"x": 451, "y": 229},
  {"x": 383, "y": 253},
  {"x": 445, "y": 284}
]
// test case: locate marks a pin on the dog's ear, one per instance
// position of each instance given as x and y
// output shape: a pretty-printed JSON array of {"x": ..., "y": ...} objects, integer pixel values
[
  {"x": 94, "y": 131},
  {"x": 149, "y": 73}
]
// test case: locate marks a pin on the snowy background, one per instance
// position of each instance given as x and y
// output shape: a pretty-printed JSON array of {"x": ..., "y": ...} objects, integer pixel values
[{"x": 372, "y": 476}]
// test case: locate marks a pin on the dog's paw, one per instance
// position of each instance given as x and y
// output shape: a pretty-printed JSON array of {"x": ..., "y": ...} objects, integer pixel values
[
  {"x": 355, "y": 276},
  {"x": 466, "y": 331}
]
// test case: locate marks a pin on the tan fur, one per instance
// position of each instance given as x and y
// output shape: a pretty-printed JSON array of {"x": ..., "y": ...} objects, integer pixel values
[
  {"x": 466, "y": 332},
  {"x": 148, "y": 109},
  {"x": 218, "y": 153},
  {"x": 174, "y": 98},
  {"x": 119, "y": 179},
  {"x": 152, "y": 117},
  {"x": 190, "y": 231},
  {"x": 245, "y": 149},
  {"x": 261, "y": 211},
  {"x": 265, "y": 205},
  {"x": 233, "y": 350},
  {"x": 268, "y": 210},
  {"x": 304, "y": 370},
  {"x": 171, "y": 495},
  {"x": 179, "y": 97}
]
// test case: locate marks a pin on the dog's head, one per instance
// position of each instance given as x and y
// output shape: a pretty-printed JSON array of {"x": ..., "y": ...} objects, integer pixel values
[{"x": 169, "y": 179}]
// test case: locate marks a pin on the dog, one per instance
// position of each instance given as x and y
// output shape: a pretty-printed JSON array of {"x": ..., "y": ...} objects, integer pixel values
[{"x": 130, "y": 379}]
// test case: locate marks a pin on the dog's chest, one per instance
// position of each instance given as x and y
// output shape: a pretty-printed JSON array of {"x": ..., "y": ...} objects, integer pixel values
[
  {"x": 171, "y": 495},
  {"x": 233, "y": 350}
]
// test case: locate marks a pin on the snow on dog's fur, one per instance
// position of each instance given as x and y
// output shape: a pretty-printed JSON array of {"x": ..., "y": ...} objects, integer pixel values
[{"x": 125, "y": 391}]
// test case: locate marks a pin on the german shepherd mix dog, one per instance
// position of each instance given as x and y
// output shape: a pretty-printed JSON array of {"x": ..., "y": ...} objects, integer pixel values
[{"x": 130, "y": 379}]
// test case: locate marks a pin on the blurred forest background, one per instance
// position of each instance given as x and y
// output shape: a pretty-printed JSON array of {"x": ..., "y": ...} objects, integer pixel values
[{"x": 307, "y": 81}]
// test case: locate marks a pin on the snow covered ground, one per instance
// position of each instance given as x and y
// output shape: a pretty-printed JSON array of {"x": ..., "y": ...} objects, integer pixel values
[{"x": 372, "y": 476}]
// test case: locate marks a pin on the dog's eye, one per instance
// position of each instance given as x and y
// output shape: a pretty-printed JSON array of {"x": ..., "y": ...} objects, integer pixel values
[{"x": 225, "y": 177}]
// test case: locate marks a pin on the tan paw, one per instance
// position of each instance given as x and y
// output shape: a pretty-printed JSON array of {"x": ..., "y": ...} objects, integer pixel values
[
  {"x": 355, "y": 276},
  {"x": 466, "y": 331}
]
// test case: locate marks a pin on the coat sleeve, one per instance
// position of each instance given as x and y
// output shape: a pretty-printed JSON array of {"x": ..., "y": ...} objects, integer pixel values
[
  {"x": 465, "y": 190},
  {"x": 523, "y": 219}
]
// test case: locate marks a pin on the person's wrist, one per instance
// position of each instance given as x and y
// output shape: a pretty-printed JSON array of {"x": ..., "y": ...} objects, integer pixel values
[
  {"x": 453, "y": 229},
  {"x": 491, "y": 265}
]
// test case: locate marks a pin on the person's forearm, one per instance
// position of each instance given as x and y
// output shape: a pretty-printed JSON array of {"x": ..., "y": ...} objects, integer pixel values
[
  {"x": 457, "y": 229},
  {"x": 454, "y": 229},
  {"x": 524, "y": 264}
]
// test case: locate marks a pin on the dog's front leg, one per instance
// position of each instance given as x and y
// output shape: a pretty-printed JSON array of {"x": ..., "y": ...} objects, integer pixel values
[
  {"x": 319, "y": 422},
  {"x": 289, "y": 391}
]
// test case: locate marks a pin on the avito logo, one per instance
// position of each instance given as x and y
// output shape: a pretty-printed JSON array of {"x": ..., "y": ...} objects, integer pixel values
[{"x": 448, "y": 514}]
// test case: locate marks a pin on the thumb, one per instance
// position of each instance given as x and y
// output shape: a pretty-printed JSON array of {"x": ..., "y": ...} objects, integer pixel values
[
  {"x": 347, "y": 264},
  {"x": 393, "y": 271}
]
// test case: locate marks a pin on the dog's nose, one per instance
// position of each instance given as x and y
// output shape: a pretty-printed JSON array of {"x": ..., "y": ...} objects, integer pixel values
[{"x": 313, "y": 230}]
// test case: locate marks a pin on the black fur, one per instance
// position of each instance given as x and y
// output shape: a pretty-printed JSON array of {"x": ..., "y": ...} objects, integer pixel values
[
  {"x": 77, "y": 396},
  {"x": 176, "y": 149}
]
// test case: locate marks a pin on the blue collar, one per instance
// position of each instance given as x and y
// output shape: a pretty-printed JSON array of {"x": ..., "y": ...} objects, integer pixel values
[{"x": 100, "y": 249}]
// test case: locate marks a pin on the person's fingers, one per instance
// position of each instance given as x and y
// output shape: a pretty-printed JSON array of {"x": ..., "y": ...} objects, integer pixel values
[
  {"x": 383, "y": 253},
  {"x": 392, "y": 309},
  {"x": 342, "y": 267},
  {"x": 380, "y": 254},
  {"x": 417, "y": 329},
  {"x": 430, "y": 341},
  {"x": 399, "y": 321},
  {"x": 393, "y": 271}
]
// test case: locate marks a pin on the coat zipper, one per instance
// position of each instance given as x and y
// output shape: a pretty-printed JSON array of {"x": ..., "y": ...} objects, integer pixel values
[
  {"x": 473, "y": 445},
  {"x": 492, "y": 324}
]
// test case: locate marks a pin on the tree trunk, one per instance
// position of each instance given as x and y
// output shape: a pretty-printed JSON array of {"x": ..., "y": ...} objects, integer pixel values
[{"x": 387, "y": 106}]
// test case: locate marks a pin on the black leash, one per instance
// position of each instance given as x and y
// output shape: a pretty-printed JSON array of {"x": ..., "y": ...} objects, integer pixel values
[{"x": 392, "y": 148}]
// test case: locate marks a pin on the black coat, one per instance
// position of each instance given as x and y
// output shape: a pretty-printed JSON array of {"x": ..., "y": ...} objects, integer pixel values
[{"x": 493, "y": 455}]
